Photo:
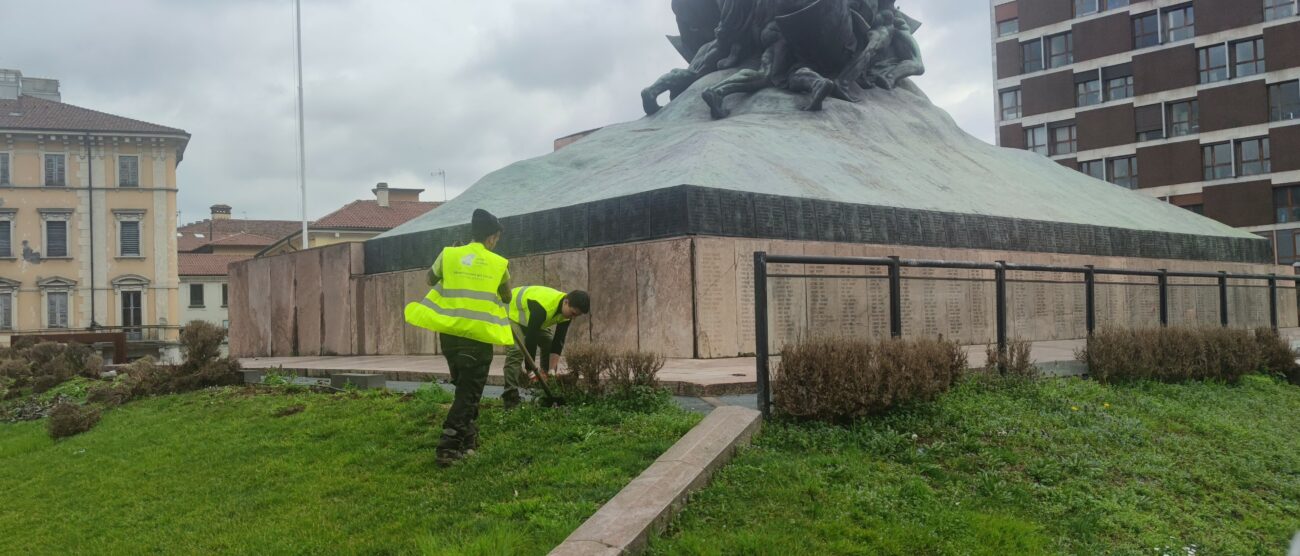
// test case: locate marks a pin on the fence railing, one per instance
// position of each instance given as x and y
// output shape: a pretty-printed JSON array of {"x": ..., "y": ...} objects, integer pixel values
[{"x": 895, "y": 266}]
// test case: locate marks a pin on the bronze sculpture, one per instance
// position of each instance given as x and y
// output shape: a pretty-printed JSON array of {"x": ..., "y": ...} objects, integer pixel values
[{"x": 819, "y": 48}]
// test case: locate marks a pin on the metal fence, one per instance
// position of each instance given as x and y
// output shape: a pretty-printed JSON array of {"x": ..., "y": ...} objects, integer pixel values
[{"x": 895, "y": 266}]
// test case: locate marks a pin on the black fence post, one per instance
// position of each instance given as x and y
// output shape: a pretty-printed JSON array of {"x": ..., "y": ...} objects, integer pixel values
[
  {"x": 1000, "y": 301},
  {"x": 1272, "y": 301},
  {"x": 1090, "y": 299},
  {"x": 1223, "y": 298},
  {"x": 1164, "y": 297},
  {"x": 760, "y": 333},
  {"x": 895, "y": 298}
]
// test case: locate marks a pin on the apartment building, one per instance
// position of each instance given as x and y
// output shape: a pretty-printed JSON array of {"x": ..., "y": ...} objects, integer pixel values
[
  {"x": 87, "y": 219},
  {"x": 1193, "y": 102},
  {"x": 207, "y": 248}
]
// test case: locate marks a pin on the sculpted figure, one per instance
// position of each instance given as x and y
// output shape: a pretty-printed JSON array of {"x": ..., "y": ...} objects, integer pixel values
[{"x": 820, "y": 48}]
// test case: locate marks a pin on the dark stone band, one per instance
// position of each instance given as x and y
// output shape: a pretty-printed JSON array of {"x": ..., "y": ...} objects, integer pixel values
[{"x": 691, "y": 210}]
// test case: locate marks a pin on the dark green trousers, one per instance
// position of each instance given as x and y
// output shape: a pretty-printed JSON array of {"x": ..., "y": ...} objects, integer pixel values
[{"x": 469, "y": 361}]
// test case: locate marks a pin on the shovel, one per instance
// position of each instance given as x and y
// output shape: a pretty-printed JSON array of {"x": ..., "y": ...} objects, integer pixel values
[{"x": 550, "y": 399}]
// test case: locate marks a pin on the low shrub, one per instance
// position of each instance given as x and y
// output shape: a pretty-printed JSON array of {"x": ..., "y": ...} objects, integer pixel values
[
  {"x": 1015, "y": 363},
  {"x": 840, "y": 380},
  {"x": 201, "y": 344},
  {"x": 70, "y": 419},
  {"x": 1180, "y": 354},
  {"x": 1276, "y": 355},
  {"x": 595, "y": 371},
  {"x": 46, "y": 365}
]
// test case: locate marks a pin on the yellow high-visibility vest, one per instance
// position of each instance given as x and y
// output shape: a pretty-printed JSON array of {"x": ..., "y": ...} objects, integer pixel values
[
  {"x": 548, "y": 298},
  {"x": 465, "y": 301}
]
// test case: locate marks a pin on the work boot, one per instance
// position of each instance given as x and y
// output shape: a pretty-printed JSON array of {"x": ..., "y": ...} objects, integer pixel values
[
  {"x": 510, "y": 400},
  {"x": 447, "y": 458}
]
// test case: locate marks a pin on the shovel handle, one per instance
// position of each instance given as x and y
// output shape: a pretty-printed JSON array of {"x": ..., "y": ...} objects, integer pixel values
[{"x": 528, "y": 357}]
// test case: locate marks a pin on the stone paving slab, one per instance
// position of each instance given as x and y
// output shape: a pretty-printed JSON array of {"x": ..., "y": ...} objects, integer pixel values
[{"x": 646, "y": 505}]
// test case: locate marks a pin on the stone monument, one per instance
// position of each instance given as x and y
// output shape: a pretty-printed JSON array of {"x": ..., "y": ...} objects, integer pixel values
[{"x": 795, "y": 130}]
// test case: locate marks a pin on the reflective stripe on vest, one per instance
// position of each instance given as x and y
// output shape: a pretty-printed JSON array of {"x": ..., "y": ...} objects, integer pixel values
[
  {"x": 550, "y": 299},
  {"x": 465, "y": 301}
]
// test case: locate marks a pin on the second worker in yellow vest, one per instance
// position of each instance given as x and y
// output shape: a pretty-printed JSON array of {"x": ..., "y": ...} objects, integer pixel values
[{"x": 538, "y": 309}]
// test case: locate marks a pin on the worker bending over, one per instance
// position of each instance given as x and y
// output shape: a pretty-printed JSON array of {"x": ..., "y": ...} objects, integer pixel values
[{"x": 538, "y": 309}]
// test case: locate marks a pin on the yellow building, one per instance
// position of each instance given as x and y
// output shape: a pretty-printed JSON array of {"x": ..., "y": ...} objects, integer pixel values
[{"x": 87, "y": 219}]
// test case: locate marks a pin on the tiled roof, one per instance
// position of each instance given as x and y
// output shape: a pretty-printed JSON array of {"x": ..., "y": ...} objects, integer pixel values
[
  {"x": 188, "y": 235},
  {"x": 206, "y": 264},
  {"x": 31, "y": 113},
  {"x": 243, "y": 240},
  {"x": 368, "y": 215}
]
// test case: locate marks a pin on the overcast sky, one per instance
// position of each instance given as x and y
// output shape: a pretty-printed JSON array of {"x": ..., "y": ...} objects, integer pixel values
[{"x": 395, "y": 89}]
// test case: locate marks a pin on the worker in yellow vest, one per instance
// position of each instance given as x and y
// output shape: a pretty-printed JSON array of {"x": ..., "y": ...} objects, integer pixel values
[
  {"x": 538, "y": 309},
  {"x": 466, "y": 307}
]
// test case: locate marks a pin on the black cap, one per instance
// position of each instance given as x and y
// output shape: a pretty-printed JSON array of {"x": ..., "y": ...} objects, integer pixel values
[{"x": 484, "y": 224}]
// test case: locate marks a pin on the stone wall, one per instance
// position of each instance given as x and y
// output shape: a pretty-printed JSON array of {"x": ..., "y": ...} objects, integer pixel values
[{"x": 693, "y": 297}]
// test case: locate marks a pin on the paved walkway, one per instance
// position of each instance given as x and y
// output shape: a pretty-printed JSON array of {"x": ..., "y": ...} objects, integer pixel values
[{"x": 685, "y": 377}]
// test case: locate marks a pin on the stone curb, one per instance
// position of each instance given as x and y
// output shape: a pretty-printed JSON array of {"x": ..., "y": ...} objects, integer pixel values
[{"x": 646, "y": 505}]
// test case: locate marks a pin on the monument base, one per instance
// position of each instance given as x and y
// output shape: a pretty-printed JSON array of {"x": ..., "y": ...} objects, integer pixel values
[{"x": 692, "y": 297}]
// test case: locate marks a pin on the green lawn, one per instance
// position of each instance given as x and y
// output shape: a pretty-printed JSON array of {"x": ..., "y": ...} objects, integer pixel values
[
  {"x": 219, "y": 472},
  {"x": 1054, "y": 467}
]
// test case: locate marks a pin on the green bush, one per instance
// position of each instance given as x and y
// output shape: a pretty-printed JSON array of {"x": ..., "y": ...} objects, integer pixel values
[
  {"x": 1180, "y": 354},
  {"x": 1276, "y": 355},
  {"x": 43, "y": 366},
  {"x": 837, "y": 379},
  {"x": 69, "y": 419}
]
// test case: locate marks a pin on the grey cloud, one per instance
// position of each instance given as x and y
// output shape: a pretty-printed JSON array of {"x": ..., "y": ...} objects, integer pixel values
[{"x": 395, "y": 89}]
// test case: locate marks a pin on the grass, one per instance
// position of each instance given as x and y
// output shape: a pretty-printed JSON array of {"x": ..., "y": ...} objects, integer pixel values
[
  {"x": 1047, "y": 467},
  {"x": 226, "y": 471}
]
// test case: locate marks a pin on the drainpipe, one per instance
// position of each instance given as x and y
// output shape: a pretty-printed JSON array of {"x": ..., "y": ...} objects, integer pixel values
[{"x": 90, "y": 192}]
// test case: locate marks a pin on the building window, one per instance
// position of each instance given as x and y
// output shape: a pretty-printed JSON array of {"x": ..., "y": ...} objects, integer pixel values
[
  {"x": 1213, "y": 62},
  {"x": 1184, "y": 118},
  {"x": 1146, "y": 30},
  {"x": 56, "y": 170},
  {"x": 1286, "y": 203},
  {"x": 1060, "y": 50},
  {"x": 56, "y": 239},
  {"x": 128, "y": 171},
  {"x": 1119, "y": 88},
  {"x": 1094, "y": 168},
  {"x": 1032, "y": 56},
  {"x": 1217, "y": 160},
  {"x": 1123, "y": 171},
  {"x": 1180, "y": 23},
  {"x": 1008, "y": 27},
  {"x": 1253, "y": 157},
  {"x": 4, "y": 169},
  {"x": 1198, "y": 209},
  {"x": 57, "y": 307},
  {"x": 1036, "y": 140},
  {"x": 1010, "y": 104},
  {"x": 1113, "y": 4},
  {"x": 1278, "y": 9},
  {"x": 6, "y": 310},
  {"x": 1150, "y": 122},
  {"x": 225, "y": 295},
  {"x": 196, "y": 296},
  {"x": 1065, "y": 139},
  {"x": 1284, "y": 101},
  {"x": 129, "y": 238},
  {"x": 1085, "y": 7},
  {"x": 1248, "y": 57},
  {"x": 1087, "y": 89},
  {"x": 6, "y": 238}
]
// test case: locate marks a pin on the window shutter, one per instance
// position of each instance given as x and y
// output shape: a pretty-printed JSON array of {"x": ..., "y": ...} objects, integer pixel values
[
  {"x": 128, "y": 171},
  {"x": 1149, "y": 118},
  {"x": 6, "y": 241},
  {"x": 58, "y": 309},
  {"x": 6, "y": 311},
  {"x": 130, "y": 239},
  {"x": 4, "y": 168},
  {"x": 1116, "y": 72},
  {"x": 56, "y": 233}
]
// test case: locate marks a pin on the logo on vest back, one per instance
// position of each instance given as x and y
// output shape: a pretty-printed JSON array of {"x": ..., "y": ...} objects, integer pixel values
[{"x": 468, "y": 260}]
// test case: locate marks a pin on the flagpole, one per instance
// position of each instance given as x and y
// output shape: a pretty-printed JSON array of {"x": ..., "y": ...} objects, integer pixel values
[{"x": 302, "y": 138}]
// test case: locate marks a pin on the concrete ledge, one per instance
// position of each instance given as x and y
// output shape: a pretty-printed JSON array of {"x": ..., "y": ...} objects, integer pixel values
[{"x": 649, "y": 502}]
